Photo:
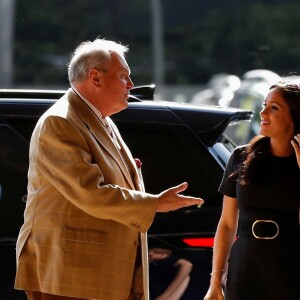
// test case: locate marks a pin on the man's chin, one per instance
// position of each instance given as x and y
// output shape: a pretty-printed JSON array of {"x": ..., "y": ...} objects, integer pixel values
[
  {"x": 125, "y": 103},
  {"x": 120, "y": 108}
]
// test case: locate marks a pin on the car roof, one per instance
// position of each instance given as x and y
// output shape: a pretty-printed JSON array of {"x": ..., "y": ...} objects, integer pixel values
[{"x": 207, "y": 121}]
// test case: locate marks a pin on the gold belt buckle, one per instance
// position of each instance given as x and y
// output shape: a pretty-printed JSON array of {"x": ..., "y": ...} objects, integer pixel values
[{"x": 265, "y": 237}]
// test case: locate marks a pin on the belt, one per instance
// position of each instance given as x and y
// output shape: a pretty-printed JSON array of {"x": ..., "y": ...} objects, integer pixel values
[
  {"x": 265, "y": 229},
  {"x": 269, "y": 228}
]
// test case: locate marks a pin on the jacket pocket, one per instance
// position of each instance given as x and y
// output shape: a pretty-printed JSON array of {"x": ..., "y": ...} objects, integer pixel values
[{"x": 83, "y": 235}]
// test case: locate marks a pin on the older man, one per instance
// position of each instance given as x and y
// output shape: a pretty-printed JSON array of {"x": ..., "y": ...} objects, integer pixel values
[{"x": 84, "y": 234}]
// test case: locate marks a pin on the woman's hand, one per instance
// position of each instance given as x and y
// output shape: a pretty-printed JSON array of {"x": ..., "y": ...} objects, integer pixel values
[
  {"x": 215, "y": 292},
  {"x": 296, "y": 145}
]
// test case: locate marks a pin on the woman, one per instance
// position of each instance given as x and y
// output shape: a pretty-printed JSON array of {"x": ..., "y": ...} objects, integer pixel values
[{"x": 258, "y": 233}]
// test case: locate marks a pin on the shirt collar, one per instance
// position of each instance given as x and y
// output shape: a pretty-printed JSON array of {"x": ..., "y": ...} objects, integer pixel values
[
  {"x": 90, "y": 105},
  {"x": 102, "y": 119}
]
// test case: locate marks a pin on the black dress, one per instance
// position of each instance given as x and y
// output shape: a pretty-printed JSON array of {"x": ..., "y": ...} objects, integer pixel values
[{"x": 259, "y": 268}]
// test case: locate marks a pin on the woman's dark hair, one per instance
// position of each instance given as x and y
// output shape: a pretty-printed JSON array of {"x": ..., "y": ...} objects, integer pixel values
[{"x": 258, "y": 147}]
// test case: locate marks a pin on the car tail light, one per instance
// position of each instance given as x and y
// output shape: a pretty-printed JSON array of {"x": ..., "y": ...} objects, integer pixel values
[{"x": 199, "y": 242}]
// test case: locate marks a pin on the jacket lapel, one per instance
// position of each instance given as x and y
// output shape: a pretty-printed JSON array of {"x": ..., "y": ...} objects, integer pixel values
[
  {"x": 95, "y": 126},
  {"x": 137, "y": 174}
]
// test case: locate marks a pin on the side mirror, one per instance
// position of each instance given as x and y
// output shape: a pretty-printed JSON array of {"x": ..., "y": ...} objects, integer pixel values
[{"x": 142, "y": 92}]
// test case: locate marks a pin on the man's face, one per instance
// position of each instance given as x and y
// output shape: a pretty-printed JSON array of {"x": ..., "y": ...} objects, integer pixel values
[{"x": 115, "y": 87}]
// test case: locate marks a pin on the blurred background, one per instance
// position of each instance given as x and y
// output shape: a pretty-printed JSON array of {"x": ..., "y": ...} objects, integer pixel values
[{"x": 221, "y": 52}]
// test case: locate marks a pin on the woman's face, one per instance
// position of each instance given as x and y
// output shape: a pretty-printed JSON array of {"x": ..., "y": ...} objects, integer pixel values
[{"x": 276, "y": 119}]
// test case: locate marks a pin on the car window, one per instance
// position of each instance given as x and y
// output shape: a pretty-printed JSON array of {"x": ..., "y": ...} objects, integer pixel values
[
  {"x": 13, "y": 179},
  {"x": 171, "y": 155},
  {"x": 174, "y": 154}
]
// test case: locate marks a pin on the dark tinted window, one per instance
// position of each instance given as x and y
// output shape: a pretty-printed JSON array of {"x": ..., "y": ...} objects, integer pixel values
[
  {"x": 14, "y": 140},
  {"x": 171, "y": 155}
]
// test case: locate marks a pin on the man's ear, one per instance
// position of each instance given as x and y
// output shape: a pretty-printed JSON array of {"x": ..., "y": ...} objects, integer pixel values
[{"x": 95, "y": 77}]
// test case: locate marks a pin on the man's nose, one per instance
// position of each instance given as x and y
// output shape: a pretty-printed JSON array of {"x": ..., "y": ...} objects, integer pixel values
[{"x": 130, "y": 84}]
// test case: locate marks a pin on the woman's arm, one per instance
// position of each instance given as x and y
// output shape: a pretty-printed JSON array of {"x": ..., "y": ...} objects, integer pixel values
[{"x": 225, "y": 236}]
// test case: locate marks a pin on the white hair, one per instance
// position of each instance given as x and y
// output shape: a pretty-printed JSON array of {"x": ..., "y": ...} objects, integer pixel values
[{"x": 89, "y": 55}]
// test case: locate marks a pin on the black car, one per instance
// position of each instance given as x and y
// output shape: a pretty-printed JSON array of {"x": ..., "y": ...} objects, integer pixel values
[{"x": 175, "y": 142}]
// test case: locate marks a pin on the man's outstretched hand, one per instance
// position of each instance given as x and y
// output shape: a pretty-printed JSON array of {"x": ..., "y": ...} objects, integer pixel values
[{"x": 171, "y": 200}]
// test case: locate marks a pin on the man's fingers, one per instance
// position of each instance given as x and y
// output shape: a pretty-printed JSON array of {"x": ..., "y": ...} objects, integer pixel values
[
  {"x": 184, "y": 202},
  {"x": 170, "y": 199},
  {"x": 192, "y": 201},
  {"x": 179, "y": 188}
]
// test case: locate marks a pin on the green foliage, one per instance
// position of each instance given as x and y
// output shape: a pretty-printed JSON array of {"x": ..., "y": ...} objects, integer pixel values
[{"x": 200, "y": 38}]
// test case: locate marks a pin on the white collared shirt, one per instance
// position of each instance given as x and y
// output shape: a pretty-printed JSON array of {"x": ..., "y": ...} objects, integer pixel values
[
  {"x": 108, "y": 128},
  {"x": 102, "y": 119}
]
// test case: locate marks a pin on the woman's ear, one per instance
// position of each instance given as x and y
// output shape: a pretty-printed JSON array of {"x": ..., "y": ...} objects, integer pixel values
[{"x": 95, "y": 77}]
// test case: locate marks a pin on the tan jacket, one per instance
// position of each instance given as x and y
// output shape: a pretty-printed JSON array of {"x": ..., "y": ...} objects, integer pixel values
[{"x": 85, "y": 216}]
